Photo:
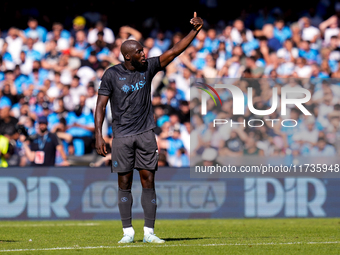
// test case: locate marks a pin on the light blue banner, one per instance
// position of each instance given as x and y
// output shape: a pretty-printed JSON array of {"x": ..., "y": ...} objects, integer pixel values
[{"x": 91, "y": 193}]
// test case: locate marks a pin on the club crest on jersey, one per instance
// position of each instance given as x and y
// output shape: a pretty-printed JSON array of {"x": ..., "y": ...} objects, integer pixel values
[{"x": 126, "y": 88}]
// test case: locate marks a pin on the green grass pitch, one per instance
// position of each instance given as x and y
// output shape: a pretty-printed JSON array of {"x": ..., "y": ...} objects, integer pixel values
[{"x": 210, "y": 236}]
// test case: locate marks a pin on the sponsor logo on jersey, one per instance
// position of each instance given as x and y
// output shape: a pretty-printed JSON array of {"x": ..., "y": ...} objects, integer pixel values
[{"x": 137, "y": 86}]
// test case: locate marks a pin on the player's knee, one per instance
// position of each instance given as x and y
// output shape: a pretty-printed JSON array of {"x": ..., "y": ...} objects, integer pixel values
[
  {"x": 148, "y": 183},
  {"x": 124, "y": 186},
  {"x": 124, "y": 182},
  {"x": 147, "y": 179}
]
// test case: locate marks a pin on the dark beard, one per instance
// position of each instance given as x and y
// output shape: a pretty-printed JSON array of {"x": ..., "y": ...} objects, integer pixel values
[
  {"x": 138, "y": 65},
  {"x": 43, "y": 130}
]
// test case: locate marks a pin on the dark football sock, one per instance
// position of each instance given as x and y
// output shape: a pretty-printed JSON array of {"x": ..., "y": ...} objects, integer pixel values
[
  {"x": 149, "y": 205},
  {"x": 125, "y": 205}
]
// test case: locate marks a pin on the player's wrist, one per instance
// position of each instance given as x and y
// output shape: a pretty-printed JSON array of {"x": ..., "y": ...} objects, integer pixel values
[
  {"x": 196, "y": 29},
  {"x": 98, "y": 135}
]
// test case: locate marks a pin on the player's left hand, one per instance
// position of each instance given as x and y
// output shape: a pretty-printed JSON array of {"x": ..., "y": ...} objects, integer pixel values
[
  {"x": 197, "y": 22},
  {"x": 101, "y": 146}
]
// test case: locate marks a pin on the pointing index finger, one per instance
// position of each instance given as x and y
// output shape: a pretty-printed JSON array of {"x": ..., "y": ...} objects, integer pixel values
[{"x": 195, "y": 14}]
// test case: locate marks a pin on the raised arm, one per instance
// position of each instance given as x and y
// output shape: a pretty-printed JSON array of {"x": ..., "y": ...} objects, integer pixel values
[
  {"x": 98, "y": 122},
  {"x": 179, "y": 47}
]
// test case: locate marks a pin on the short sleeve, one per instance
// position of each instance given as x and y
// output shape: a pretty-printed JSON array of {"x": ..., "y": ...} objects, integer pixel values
[
  {"x": 154, "y": 65},
  {"x": 105, "y": 85}
]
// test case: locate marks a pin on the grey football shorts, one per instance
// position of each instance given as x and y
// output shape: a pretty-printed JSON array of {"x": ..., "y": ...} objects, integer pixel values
[{"x": 134, "y": 152}]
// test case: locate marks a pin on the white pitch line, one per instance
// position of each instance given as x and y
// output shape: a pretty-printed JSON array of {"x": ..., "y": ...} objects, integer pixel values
[
  {"x": 164, "y": 246},
  {"x": 50, "y": 225}
]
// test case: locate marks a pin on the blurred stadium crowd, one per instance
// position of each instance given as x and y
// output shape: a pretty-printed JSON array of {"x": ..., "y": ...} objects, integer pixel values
[{"x": 55, "y": 71}]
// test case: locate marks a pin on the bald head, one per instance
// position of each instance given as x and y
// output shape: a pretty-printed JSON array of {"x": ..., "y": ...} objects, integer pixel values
[
  {"x": 133, "y": 54},
  {"x": 129, "y": 47}
]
